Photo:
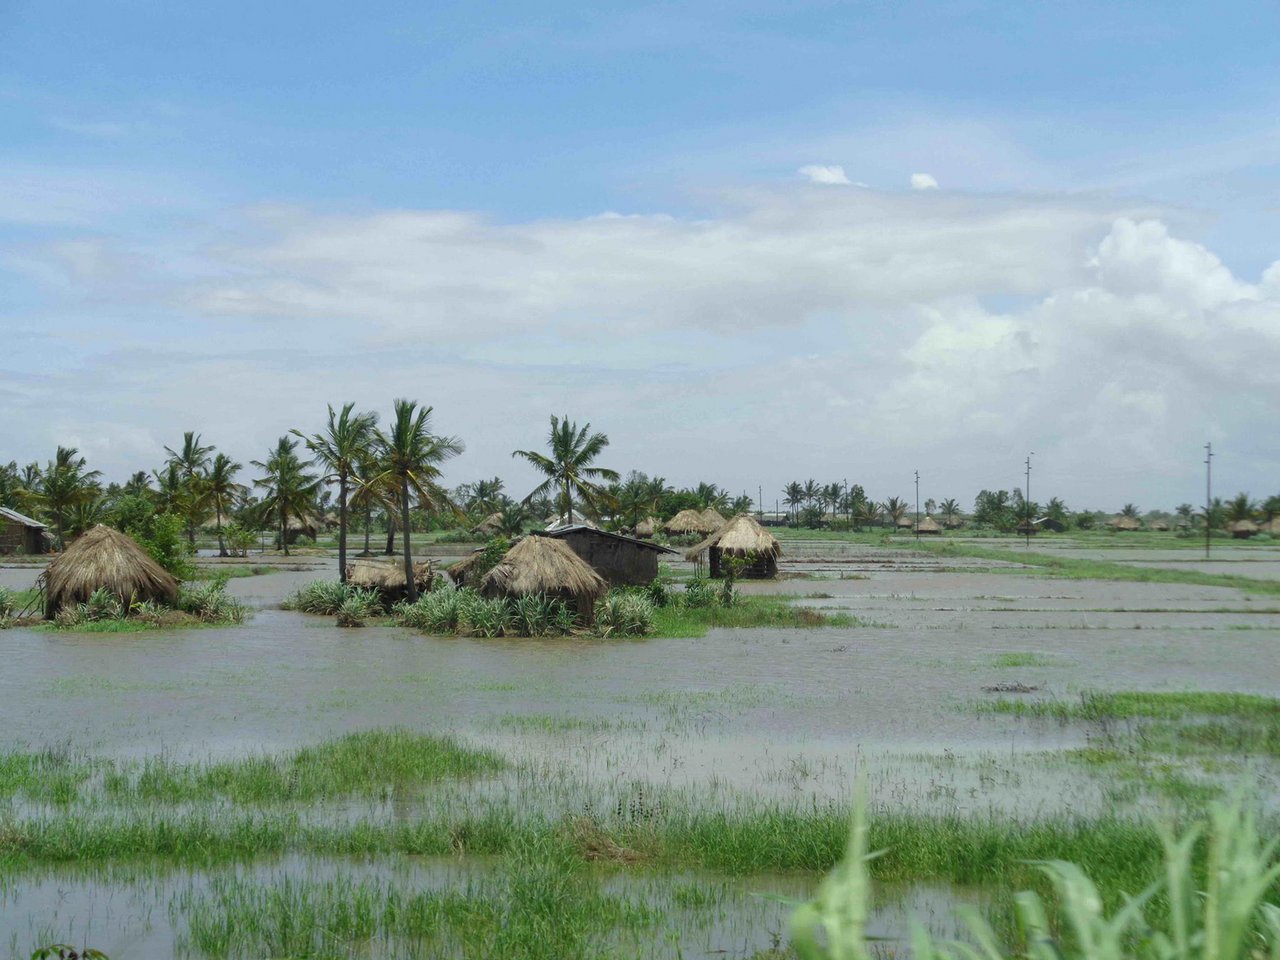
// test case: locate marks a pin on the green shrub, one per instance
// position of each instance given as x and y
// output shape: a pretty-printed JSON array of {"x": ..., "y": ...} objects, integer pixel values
[
  {"x": 210, "y": 603},
  {"x": 434, "y": 612},
  {"x": 624, "y": 613},
  {"x": 8, "y": 603},
  {"x": 320, "y": 596},
  {"x": 162, "y": 537},
  {"x": 698, "y": 593},
  {"x": 485, "y": 617}
]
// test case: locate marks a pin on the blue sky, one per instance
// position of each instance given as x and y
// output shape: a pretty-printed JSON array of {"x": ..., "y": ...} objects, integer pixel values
[{"x": 218, "y": 216}]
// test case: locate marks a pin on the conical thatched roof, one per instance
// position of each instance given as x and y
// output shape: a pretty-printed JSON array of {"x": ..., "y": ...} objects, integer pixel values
[
  {"x": 928, "y": 525},
  {"x": 689, "y": 521},
  {"x": 647, "y": 527},
  {"x": 544, "y": 565},
  {"x": 904, "y": 522},
  {"x": 105, "y": 557},
  {"x": 1126, "y": 523},
  {"x": 1160, "y": 525},
  {"x": 712, "y": 516},
  {"x": 388, "y": 577},
  {"x": 460, "y": 572},
  {"x": 490, "y": 524},
  {"x": 740, "y": 537},
  {"x": 1243, "y": 526}
]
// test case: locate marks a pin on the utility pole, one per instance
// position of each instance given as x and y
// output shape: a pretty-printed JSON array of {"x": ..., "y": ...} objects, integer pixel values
[
  {"x": 917, "y": 506},
  {"x": 1208, "y": 494},
  {"x": 760, "y": 499},
  {"x": 1027, "y": 497},
  {"x": 848, "y": 507}
]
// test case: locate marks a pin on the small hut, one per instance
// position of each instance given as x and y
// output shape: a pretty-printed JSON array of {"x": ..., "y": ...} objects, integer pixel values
[
  {"x": 954, "y": 522},
  {"x": 1272, "y": 526},
  {"x": 744, "y": 538},
  {"x": 647, "y": 528},
  {"x": 299, "y": 527},
  {"x": 1243, "y": 529},
  {"x": 622, "y": 561},
  {"x": 461, "y": 571},
  {"x": 689, "y": 521},
  {"x": 569, "y": 519},
  {"x": 1027, "y": 528},
  {"x": 105, "y": 558},
  {"x": 21, "y": 534},
  {"x": 489, "y": 525},
  {"x": 388, "y": 578},
  {"x": 928, "y": 527},
  {"x": 1161, "y": 525},
  {"x": 545, "y": 565},
  {"x": 713, "y": 518},
  {"x": 1126, "y": 524},
  {"x": 904, "y": 522}
]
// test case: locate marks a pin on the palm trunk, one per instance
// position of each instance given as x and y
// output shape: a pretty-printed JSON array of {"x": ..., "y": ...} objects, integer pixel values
[
  {"x": 284, "y": 531},
  {"x": 568, "y": 503},
  {"x": 410, "y": 588},
  {"x": 368, "y": 521},
  {"x": 342, "y": 528},
  {"x": 222, "y": 546},
  {"x": 391, "y": 534}
]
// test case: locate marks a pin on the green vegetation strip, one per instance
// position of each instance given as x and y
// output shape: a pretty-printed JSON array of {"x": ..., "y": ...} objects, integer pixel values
[
  {"x": 1077, "y": 569},
  {"x": 747, "y": 611}
]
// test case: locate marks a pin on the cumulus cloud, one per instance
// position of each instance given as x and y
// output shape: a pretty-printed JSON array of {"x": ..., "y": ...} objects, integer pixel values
[
  {"x": 820, "y": 174},
  {"x": 923, "y": 181},
  {"x": 863, "y": 334}
]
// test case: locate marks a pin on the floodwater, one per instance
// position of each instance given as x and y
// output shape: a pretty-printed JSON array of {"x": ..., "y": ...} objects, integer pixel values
[{"x": 789, "y": 716}]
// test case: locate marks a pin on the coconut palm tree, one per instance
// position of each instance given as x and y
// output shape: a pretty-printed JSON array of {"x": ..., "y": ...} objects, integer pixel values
[
  {"x": 831, "y": 494},
  {"x": 370, "y": 491},
  {"x": 221, "y": 492},
  {"x": 64, "y": 485},
  {"x": 411, "y": 456},
  {"x": 288, "y": 490},
  {"x": 192, "y": 462},
  {"x": 949, "y": 509},
  {"x": 812, "y": 489},
  {"x": 793, "y": 497},
  {"x": 710, "y": 495},
  {"x": 568, "y": 469},
  {"x": 1131, "y": 511},
  {"x": 868, "y": 513},
  {"x": 895, "y": 509},
  {"x": 1241, "y": 507},
  {"x": 346, "y": 439}
]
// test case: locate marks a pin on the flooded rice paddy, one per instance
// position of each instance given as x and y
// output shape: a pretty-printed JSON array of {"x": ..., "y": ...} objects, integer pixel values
[{"x": 738, "y": 720}]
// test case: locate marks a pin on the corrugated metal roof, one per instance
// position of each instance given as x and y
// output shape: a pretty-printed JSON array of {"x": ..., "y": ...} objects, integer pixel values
[
  {"x": 582, "y": 527},
  {"x": 20, "y": 518}
]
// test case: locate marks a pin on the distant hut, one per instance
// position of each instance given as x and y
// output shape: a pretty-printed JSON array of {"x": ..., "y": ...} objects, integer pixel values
[
  {"x": 388, "y": 577},
  {"x": 744, "y": 538},
  {"x": 545, "y": 565},
  {"x": 928, "y": 527},
  {"x": 647, "y": 528},
  {"x": 21, "y": 534},
  {"x": 299, "y": 527},
  {"x": 954, "y": 522},
  {"x": 569, "y": 519},
  {"x": 462, "y": 572},
  {"x": 622, "y": 561},
  {"x": 713, "y": 519},
  {"x": 489, "y": 525},
  {"x": 1243, "y": 529},
  {"x": 1272, "y": 526},
  {"x": 904, "y": 522},
  {"x": 1162, "y": 525},
  {"x": 686, "y": 522},
  {"x": 1027, "y": 528},
  {"x": 105, "y": 558},
  {"x": 1126, "y": 524}
]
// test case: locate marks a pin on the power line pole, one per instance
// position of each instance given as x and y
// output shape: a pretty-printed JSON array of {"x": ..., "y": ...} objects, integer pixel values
[
  {"x": 917, "y": 506},
  {"x": 1208, "y": 494},
  {"x": 1027, "y": 505}
]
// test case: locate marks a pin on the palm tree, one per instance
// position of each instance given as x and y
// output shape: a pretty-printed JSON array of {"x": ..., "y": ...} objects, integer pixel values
[
  {"x": 1131, "y": 511},
  {"x": 192, "y": 462},
  {"x": 568, "y": 470},
  {"x": 66, "y": 484},
  {"x": 486, "y": 496},
  {"x": 345, "y": 441},
  {"x": 1241, "y": 508},
  {"x": 812, "y": 489},
  {"x": 949, "y": 509},
  {"x": 710, "y": 495},
  {"x": 895, "y": 509},
  {"x": 868, "y": 514},
  {"x": 221, "y": 490},
  {"x": 288, "y": 490},
  {"x": 411, "y": 456},
  {"x": 138, "y": 485},
  {"x": 793, "y": 496}
]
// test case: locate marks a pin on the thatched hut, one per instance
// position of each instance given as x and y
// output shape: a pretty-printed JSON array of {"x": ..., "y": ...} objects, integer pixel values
[
  {"x": 1161, "y": 525},
  {"x": 904, "y": 522},
  {"x": 744, "y": 538},
  {"x": 105, "y": 558},
  {"x": 954, "y": 522},
  {"x": 461, "y": 571},
  {"x": 21, "y": 534},
  {"x": 713, "y": 518},
  {"x": 1126, "y": 524},
  {"x": 928, "y": 527},
  {"x": 1243, "y": 529},
  {"x": 299, "y": 527},
  {"x": 1026, "y": 528},
  {"x": 489, "y": 525},
  {"x": 545, "y": 565},
  {"x": 1271, "y": 526},
  {"x": 689, "y": 521},
  {"x": 647, "y": 528},
  {"x": 388, "y": 578},
  {"x": 622, "y": 561}
]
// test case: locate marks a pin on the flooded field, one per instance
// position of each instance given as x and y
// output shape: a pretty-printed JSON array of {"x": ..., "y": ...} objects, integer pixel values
[{"x": 952, "y": 697}]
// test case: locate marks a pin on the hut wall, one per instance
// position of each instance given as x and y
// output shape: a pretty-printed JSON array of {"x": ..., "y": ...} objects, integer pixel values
[
  {"x": 764, "y": 567},
  {"x": 17, "y": 537},
  {"x": 622, "y": 564}
]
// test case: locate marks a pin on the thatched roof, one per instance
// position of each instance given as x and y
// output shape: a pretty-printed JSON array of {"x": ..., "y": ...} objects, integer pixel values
[
  {"x": 544, "y": 565},
  {"x": 928, "y": 525},
  {"x": 387, "y": 576},
  {"x": 460, "y": 571},
  {"x": 490, "y": 524},
  {"x": 1126, "y": 523},
  {"x": 1160, "y": 525},
  {"x": 1272, "y": 525},
  {"x": 1243, "y": 526},
  {"x": 904, "y": 522},
  {"x": 689, "y": 521},
  {"x": 647, "y": 527},
  {"x": 953, "y": 523},
  {"x": 740, "y": 537},
  {"x": 105, "y": 557},
  {"x": 301, "y": 523},
  {"x": 712, "y": 515}
]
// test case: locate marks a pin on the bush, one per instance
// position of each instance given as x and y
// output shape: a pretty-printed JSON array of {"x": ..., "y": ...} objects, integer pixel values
[
  {"x": 698, "y": 593},
  {"x": 8, "y": 603},
  {"x": 210, "y": 603},
  {"x": 485, "y": 617},
  {"x": 459, "y": 535},
  {"x": 434, "y": 612},
  {"x": 238, "y": 538},
  {"x": 358, "y": 605},
  {"x": 320, "y": 596},
  {"x": 162, "y": 537},
  {"x": 625, "y": 614}
]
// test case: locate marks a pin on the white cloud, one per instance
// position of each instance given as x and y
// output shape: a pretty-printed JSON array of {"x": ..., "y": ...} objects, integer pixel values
[
  {"x": 829, "y": 175},
  {"x": 923, "y": 181}
]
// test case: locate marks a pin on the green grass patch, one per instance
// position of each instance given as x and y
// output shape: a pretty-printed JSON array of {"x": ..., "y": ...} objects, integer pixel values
[
  {"x": 747, "y": 611},
  {"x": 1022, "y": 660},
  {"x": 233, "y": 572}
]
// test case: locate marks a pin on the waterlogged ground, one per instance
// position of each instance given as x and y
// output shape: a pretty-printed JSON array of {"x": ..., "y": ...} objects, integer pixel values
[{"x": 726, "y": 722}]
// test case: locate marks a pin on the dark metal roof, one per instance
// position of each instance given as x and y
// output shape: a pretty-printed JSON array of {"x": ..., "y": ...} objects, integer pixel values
[
  {"x": 559, "y": 532},
  {"x": 20, "y": 518}
]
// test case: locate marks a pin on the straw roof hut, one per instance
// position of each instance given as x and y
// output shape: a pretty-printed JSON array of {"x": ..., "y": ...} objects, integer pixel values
[
  {"x": 388, "y": 578},
  {"x": 744, "y": 538},
  {"x": 905, "y": 522},
  {"x": 1272, "y": 526},
  {"x": 1243, "y": 529},
  {"x": 689, "y": 521},
  {"x": 647, "y": 527},
  {"x": 489, "y": 525},
  {"x": 105, "y": 557},
  {"x": 1160, "y": 525},
  {"x": 1126, "y": 524},
  {"x": 544, "y": 565},
  {"x": 712, "y": 516},
  {"x": 929, "y": 527},
  {"x": 954, "y": 522},
  {"x": 300, "y": 527},
  {"x": 460, "y": 572}
]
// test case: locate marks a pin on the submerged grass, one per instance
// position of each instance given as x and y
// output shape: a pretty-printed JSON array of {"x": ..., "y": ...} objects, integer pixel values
[{"x": 747, "y": 611}]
